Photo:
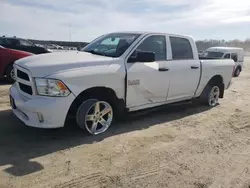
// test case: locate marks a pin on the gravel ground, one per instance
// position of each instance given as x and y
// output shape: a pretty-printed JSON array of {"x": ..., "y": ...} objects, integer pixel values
[{"x": 186, "y": 146}]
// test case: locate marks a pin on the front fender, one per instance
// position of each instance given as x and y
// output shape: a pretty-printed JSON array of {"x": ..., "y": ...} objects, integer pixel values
[{"x": 78, "y": 80}]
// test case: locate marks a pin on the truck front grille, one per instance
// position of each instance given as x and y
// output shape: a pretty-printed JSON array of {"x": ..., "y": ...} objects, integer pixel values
[
  {"x": 22, "y": 75},
  {"x": 24, "y": 81},
  {"x": 25, "y": 88}
]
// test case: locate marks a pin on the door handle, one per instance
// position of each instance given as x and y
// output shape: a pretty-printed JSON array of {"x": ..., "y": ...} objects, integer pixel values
[
  {"x": 194, "y": 67},
  {"x": 163, "y": 69}
]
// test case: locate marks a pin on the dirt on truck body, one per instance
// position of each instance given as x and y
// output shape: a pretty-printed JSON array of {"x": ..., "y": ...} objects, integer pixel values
[{"x": 178, "y": 146}]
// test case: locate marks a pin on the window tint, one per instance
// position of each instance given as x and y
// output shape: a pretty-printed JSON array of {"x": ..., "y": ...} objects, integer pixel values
[
  {"x": 2, "y": 41},
  {"x": 156, "y": 44},
  {"x": 13, "y": 41},
  {"x": 25, "y": 42},
  {"x": 234, "y": 57},
  {"x": 210, "y": 54},
  {"x": 227, "y": 56},
  {"x": 181, "y": 48}
]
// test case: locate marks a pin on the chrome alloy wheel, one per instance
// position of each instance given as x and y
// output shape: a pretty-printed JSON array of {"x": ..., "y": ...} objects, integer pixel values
[
  {"x": 214, "y": 96},
  {"x": 99, "y": 117}
]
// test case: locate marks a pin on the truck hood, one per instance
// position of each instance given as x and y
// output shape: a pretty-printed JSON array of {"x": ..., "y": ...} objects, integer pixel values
[{"x": 51, "y": 63}]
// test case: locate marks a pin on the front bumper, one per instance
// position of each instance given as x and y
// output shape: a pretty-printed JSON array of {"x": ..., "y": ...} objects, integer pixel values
[{"x": 40, "y": 111}]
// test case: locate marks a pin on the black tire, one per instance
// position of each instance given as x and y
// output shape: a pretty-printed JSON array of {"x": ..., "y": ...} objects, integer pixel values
[
  {"x": 237, "y": 72},
  {"x": 9, "y": 76},
  {"x": 83, "y": 111},
  {"x": 205, "y": 97}
]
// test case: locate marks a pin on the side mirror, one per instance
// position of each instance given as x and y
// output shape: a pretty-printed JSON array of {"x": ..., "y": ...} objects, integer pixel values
[{"x": 142, "y": 56}]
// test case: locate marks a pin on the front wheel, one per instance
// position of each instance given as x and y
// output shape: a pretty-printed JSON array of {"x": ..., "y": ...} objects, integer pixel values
[{"x": 95, "y": 116}]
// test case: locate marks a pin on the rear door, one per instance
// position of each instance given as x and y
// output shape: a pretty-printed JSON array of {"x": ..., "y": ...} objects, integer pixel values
[
  {"x": 148, "y": 82},
  {"x": 184, "y": 69}
]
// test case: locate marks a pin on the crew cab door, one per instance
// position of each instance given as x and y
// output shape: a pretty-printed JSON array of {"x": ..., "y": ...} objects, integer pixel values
[
  {"x": 184, "y": 69},
  {"x": 148, "y": 82}
]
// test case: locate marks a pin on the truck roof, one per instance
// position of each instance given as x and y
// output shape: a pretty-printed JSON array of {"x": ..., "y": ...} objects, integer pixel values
[{"x": 150, "y": 32}]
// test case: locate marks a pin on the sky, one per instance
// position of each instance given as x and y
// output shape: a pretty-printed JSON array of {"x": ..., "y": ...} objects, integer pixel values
[{"x": 84, "y": 20}]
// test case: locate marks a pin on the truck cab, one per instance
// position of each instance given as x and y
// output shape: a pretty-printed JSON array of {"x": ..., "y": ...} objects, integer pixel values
[{"x": 236, "y": 54}]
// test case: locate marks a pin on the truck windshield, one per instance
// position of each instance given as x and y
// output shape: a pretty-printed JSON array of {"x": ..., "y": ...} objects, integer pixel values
[
  {"x": 111, "y": 45},
  {"x": 210, "y": 54}
]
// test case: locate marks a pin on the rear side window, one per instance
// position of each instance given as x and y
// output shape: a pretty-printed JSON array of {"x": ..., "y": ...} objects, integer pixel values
[{"x": 181, "y": 48}]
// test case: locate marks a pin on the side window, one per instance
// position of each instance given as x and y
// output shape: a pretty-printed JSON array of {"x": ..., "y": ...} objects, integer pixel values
[
  {"x": 156, "y": 44},
  {"x": 234, "y": 57},
  {"x": 13, "y": 42},
  {"x": 227, "y": 56},
  {"x": 181, "y": 48},
  {"x": 2, "y": 41},
  {"x": 25, "y": 43}
]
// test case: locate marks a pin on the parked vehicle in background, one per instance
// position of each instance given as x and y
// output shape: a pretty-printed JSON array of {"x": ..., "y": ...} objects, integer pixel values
[
  {"x": 237, "y": 54},
  {"x": 57, "y": 47},
  {"x": 7, "y": 58},
  {"x": 40, "y": 45},
  {"x": 22, "y": 44},
  {"x": 200, "y": 52},
  {"x": 115, "y": 74}
]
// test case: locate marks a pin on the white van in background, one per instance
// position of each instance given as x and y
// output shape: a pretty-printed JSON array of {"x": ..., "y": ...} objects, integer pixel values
[{"x": 237, "y": 54}]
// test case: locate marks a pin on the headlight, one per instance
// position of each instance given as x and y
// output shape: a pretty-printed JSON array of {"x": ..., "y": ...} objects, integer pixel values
[{"x": 50, "y": 87}]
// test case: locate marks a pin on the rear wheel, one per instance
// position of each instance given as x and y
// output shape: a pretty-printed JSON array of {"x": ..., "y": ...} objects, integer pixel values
[
  {"x": 214, "y": 95},
  {"x": 10, "y": 74},
  {"x": 237, "y": 72},
  {"x": 95, "y": 116},
  {"x": 211, "y": 95}
]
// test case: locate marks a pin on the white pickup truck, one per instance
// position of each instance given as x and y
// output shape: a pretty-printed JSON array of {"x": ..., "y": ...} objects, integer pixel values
[{"x": 115, "y": 74}]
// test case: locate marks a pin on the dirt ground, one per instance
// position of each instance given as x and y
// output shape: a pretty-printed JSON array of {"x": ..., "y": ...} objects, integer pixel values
[{"x": 186, "y": 146}]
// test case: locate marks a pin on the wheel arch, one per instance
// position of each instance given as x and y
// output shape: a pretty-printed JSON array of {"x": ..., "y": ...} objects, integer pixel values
[
  {"x": 218, "y": 79},
  {"x": 93, "y": 92}
]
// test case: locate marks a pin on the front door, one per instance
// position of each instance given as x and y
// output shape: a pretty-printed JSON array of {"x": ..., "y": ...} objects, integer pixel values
[{"x": 147, "y": 82}]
